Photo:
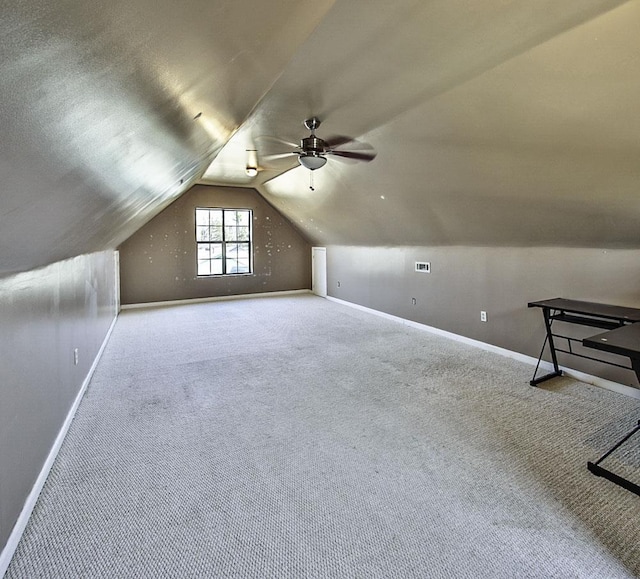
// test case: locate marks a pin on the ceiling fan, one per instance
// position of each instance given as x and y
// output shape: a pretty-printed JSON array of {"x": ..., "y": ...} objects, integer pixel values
[{"x": 312, "y": 151}]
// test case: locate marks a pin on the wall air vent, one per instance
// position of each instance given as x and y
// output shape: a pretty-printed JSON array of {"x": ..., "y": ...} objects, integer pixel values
[{"x": 423, "y": 266}]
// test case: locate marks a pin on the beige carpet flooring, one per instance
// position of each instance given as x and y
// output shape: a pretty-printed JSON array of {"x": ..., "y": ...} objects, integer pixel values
[{"x": 293, "y": 437}]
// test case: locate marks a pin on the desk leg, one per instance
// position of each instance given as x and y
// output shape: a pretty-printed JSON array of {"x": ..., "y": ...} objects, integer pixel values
[
  {"x": 635, "y": 364},
  {"x": 596, "y": 469},
  {"x": 546, "y": 312}
]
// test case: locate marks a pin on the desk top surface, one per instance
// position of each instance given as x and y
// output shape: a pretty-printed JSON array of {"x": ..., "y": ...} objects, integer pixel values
[
  {"x": 590, "y": 308},
  {"x": 624, "y": 341}
]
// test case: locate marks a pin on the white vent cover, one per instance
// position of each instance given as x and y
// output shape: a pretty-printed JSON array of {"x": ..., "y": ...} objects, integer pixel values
[{"x": 423, "y": 266}]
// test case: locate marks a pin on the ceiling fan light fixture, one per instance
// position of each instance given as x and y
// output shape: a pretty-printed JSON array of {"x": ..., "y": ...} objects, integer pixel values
[
  {"x": 312, "y": 161},
  {"x": 251, "y": 166}
]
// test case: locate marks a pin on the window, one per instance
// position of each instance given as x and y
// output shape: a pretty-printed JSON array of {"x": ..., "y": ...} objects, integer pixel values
[{"x": 223, "y": 239}]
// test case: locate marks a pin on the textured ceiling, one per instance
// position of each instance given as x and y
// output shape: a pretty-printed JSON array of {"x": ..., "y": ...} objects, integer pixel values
[
  {"x": 498, "y": 122},
  {"x": 98, "y": 107},
  {"x": 495, "y": 123}
]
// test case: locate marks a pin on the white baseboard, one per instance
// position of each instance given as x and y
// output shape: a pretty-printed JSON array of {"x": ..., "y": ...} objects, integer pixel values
[
  {"x": 582, "y": 376},
  {"x": 211, "y": 299},
  {"x": 30, "y": 503}
]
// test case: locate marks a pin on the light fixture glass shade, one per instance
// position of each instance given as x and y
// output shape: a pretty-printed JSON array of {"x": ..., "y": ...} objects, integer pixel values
[
  {"x": 312, "y": 162},
  {"x": 251, "y": 171}
]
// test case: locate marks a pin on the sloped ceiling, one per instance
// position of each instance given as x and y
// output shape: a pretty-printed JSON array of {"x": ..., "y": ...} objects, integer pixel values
[
  {"x": 110, "y": 110},
  {"x": 495, "y": 123},
  {"x": 504, "y": 122}
]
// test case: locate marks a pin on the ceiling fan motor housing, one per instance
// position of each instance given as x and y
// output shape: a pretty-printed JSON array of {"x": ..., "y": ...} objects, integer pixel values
[{"x": 312, "y": 145}]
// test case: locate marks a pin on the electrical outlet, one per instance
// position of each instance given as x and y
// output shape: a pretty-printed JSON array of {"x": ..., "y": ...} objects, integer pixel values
[
  {"x": 413, "y": 301},
  {"x": 483, "y": 316},
  {"x": 75, "y": 356}
]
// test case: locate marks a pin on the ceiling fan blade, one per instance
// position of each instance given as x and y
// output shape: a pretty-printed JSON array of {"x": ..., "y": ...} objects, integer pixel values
[
  {"x": 355, "y": 155},
  {"x": 352, "y": 146},
  {"x": 278, "y": 156},
  {"x": 338, "y": 141},
  {"x": 268, "y": 139},
  {"x": 279, "y": 162}
]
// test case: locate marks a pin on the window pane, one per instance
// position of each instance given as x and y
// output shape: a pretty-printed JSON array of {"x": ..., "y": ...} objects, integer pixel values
[
  {"x": 243, "y": 251},
  {"x": 202, "y": 233},
  {"x": 216, "y": 216},
  {"x": 231, "y": 217},
  {"x": 202, "y": 217},
  {"x": 230, "y": 233},
  {"x": 216, "y": 266},
  {"x": 204, "y": 251},
  {"x": 204, "y": 267},
  {"x": 232, "y": 265},
  {"x": 243, "y": 218},
  {"x": 242, "y": 233},
  {"x": 216, "y": 233},
  {"x": 216, "y": 251},
  {"x": 232, "y": 250},
  {"x": 243, "y": 266}
]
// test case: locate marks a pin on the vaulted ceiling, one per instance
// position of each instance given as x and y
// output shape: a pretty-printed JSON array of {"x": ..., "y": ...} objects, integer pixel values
[{"x": 495, "y": 122}]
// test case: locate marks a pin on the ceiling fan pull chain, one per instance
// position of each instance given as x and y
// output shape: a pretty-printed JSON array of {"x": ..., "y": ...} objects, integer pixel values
[{"x": 311, "y": 181}]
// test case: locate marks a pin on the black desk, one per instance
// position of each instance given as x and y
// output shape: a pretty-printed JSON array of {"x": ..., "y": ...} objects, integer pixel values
[
  {"x": 622, "y": 338},
  {"x": 592, "y": 314},
  {"x": 624, "y": 341}
]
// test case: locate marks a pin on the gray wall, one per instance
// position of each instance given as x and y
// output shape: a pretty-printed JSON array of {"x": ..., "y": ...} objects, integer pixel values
[
  {"x": 158, "y": 262},
  {"x": 45, "y": 314},
  {"x": 501, "y": 281}
]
